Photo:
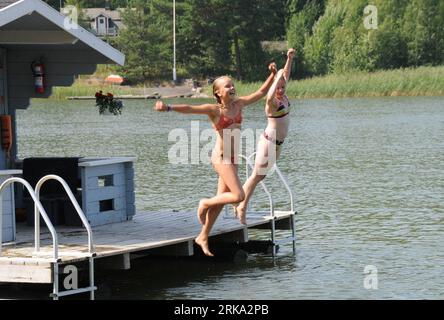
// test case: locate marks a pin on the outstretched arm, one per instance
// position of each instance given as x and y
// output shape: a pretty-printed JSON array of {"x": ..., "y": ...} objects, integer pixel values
[
  {"x": 207, "y": 108},
  {"x": 256, "y": 96},
  {"x": 287, "y": 67},
  {"x": 272, "y": 91}
]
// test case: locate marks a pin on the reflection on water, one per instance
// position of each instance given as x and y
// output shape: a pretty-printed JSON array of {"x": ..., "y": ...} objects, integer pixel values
[{"x": 368, "y": 175}]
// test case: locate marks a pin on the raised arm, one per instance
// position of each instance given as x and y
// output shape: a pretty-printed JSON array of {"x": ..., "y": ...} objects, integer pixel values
[
  {"x": 207, "y": 108},
  {"x": 256, "y": 96},
  {"x": 287, "y": 67},
  {"x": 272, "y": 91}
]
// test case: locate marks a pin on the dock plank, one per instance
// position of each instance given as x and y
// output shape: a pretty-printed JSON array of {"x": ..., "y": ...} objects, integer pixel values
[
  {"x": 26, "y": 273},
  {"x": 147, "y": 230}
]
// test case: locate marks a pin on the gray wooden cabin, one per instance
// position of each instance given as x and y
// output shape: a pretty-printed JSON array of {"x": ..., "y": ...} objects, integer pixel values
[{"x": 31, "y": 30}]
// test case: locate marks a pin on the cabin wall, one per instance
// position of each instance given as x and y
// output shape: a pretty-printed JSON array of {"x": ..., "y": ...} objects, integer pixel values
[
  {"x": 3, "y": 99},
  {"x": 8, "y": 207},
  {"x": 60, "y": 68}
]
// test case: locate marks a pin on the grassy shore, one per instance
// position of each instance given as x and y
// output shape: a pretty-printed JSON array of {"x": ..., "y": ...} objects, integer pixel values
[
  {"x": 84, "y": 88},
  {"x": 422, "y": 81}
]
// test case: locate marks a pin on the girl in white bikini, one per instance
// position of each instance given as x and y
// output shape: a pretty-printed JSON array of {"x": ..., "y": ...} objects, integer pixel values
[{"x": 277, "y": 109}]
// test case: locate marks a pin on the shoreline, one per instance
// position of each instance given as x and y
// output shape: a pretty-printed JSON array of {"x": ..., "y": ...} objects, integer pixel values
[
  {"x": 421, "y": 81},
  {"x": 142, "y": 97}
]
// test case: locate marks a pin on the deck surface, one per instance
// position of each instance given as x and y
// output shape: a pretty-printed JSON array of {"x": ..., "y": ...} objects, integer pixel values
[{"x": 147, "y": 230}]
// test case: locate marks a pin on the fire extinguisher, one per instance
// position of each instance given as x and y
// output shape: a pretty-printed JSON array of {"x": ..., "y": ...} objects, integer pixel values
[
  {"x": 39, "y": 76},
  {"x": 6, "y": 132}
]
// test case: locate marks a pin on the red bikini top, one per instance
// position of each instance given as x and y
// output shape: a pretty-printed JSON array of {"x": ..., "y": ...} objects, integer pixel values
[{"x": 225, "y": 121}]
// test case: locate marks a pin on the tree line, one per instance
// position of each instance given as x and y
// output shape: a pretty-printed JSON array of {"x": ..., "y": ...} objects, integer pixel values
[
  {"x": 331, "y": 36},
  {"x": 217, "y": 37}
]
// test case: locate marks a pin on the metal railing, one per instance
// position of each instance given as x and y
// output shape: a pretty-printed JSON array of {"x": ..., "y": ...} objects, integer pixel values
[
  {"x": 249, "y": 164},
  {"x": 56, "y": 292},
  {"x": 39, "y": 210},
  {"x": 73, "y": 201},
  {"x": 38, "y": 205},
  {"x": 287, "y": 186}
]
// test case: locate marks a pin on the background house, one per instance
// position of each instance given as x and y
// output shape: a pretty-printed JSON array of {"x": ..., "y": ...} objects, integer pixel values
[{"x": 103, "y": 21}]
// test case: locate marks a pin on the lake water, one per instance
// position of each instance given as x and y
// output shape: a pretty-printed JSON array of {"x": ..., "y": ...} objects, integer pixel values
[{"x": 368, "y": 175}]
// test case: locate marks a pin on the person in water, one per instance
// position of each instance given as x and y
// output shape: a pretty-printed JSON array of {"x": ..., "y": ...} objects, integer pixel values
[
  {"x": 225, "y": 117},
  {"x": 277, "y": 109}
]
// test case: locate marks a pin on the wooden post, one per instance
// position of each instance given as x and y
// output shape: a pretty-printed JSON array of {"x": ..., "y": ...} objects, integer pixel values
[{"x": 120, "y": 262}]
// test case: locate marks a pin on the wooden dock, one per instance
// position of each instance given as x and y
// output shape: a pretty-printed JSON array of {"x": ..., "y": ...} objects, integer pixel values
[{"x": 165, "y": 233}]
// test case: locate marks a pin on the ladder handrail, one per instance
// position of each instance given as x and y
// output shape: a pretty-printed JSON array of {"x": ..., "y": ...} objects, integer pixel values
[
  {"x": 270, "y": 197},
  {"x": 281, "y": 177},
  {"x": 38, "y": 204},
  {"x": 287, "y": 186},
  {"x": 73, "y": 201}
]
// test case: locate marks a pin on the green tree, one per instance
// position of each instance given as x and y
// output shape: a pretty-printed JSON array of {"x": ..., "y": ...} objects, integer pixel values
[
  {"x": 387, "y": 44},
  {"x": 423, "y": 30},
  {"x": 409, "y": 33},
  {"x": 349, "y": 43},
  {"x": 217, "y": 36},
  {"x": 203, "y": 43},
  {"x": 147, "y": 41},
  {"x": 303, "y": 15},
  {"x": 317, "y": 49}
]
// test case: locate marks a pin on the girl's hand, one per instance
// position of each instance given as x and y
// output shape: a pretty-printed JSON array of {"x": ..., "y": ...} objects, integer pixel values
[
  {"x": 160, "y": 106},
  {"x": 272, "y": 67},
  {"x": 290, "y": 53}
]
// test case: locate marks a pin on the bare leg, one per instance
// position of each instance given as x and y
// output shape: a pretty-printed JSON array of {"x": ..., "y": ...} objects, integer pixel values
[
  {"x": 235, "y": 192},
  {"x": 201, "y": 213},
  {"x": 260, "y": 165},
  {"x": 229, "y": 191},
  {"x": 249, "y": 187},
  {"x": 202, "y": 238}
]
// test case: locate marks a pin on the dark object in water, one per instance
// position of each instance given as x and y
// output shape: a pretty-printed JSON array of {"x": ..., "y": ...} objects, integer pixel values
[
  {"x": 258, "y": 246},
  {"x": 225, "y": 251}
]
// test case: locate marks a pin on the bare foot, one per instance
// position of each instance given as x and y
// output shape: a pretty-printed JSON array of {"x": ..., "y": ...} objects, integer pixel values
[
  {"x": 202, "y": 212},
  {"x": 241, "y": 214},
  {"x": 204, "y": 246},
  {"x": 235, "y": 209}
]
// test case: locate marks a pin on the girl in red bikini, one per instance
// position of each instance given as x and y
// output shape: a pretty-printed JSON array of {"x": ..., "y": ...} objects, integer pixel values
[
  {"x": 225, "y": 117},
  {"x": 277, "y": 111}
]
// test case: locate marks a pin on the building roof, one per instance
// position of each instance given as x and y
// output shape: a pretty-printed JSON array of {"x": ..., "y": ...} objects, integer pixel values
[
  {"x": 5, "y": 3},
  {"x": 92, "y": 13},
  {"x": 35, "y": 22}
]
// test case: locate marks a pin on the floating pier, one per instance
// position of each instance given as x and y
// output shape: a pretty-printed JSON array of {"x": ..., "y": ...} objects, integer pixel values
[
  {"x": 41, "y": 255},
  {"x": 168, "y": 233}
]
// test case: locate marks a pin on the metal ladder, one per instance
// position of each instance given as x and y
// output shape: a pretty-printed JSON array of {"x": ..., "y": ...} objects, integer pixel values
[
  {"x": 55, "y": 260},
  {"x": 271, "y": 217}
]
